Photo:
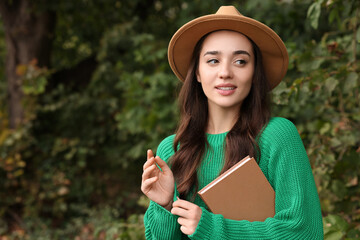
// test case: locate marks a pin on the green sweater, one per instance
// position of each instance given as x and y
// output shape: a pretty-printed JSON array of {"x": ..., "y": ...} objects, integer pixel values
[{"x": 286, "y": 166}]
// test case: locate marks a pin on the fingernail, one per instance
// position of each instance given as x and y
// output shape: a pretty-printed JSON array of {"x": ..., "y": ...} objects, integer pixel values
[{"x": 177, "y": 198}]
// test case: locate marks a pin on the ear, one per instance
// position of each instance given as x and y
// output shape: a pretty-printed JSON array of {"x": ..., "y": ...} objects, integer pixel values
[{"x": 198, "y": 76}]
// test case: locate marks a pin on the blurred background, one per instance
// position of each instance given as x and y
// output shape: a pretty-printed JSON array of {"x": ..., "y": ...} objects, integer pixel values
[{"x": 85, "y": 90}]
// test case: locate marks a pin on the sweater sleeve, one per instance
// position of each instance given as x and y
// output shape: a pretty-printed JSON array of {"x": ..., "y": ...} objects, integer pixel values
[
  {"x": 159, "y": 222},
  {"x": 297, "y": 206}
]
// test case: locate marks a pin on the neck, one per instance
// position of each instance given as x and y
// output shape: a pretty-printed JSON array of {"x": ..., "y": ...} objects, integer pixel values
[{"x": 221, "y": 119}]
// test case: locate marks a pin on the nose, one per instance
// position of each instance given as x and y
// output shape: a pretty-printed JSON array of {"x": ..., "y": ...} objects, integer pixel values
[{"x": 225, "y": 71}]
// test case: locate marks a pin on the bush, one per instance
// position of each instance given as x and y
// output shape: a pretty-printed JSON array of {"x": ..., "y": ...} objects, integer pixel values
[{"x": 73, "y": 169}]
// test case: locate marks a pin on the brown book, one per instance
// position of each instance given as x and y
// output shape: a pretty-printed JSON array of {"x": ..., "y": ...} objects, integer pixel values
[{"x": 241, "y": 193}]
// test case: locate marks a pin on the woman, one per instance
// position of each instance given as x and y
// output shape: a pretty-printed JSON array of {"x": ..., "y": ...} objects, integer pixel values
[{"x": 228, "y": 64}]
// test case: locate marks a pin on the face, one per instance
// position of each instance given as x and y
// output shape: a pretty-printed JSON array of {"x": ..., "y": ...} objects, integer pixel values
[{"x": 226, "y": 68}]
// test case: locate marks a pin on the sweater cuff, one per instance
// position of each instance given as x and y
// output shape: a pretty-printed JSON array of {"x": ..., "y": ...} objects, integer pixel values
[
  {"x": 162, "y": 217},
  {"x": 202, "y": 230},
  {"x": 161, "y": 210}
]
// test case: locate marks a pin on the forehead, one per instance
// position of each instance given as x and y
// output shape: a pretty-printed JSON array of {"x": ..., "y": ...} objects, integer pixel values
[{"x": 226, "y": 40}]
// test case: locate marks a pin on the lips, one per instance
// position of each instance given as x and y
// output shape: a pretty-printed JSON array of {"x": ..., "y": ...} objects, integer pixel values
[{"x": 225, "y": 89}]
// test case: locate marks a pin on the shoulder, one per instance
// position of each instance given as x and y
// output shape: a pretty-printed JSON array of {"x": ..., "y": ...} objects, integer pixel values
[
  {"x": 280, "y": 144},
  {"x": 165, "y": 149},
  {"x": 280, "y": 132},
  {"x": 166, "y": 143},
  {"x": 280, "y": 128}
]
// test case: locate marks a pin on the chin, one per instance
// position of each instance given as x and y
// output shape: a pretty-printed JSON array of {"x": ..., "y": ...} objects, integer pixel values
[{"x": 230, "y": 106}]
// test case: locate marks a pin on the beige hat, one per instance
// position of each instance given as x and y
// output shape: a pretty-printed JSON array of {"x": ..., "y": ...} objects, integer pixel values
[{"x": 273, "y": 50}]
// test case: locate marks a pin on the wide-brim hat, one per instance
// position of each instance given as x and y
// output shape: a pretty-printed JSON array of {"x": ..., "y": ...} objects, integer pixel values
[{"x": 273, "y": 50}]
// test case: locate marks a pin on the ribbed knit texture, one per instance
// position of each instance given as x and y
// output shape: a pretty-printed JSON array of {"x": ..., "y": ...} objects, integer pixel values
[{"x": 286, "y": 166}]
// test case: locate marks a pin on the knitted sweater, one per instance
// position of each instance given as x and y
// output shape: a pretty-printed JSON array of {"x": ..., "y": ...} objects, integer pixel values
[{"x": 286, "y": 166}]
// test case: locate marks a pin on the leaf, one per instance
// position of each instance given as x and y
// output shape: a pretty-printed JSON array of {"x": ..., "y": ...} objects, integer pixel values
[
  {"x": 351, "y": 81},
  {"x": 21, "y": 69},
  {"x": 333, "y": 235},
  {"x": 331, "y": 83},
  {"x": 18, "y": 172},
  {"x": 307, "y": 65},
  {"x": 334, "y": 14},
  {"x": 339, "y": 189},
  {"x": 335, "y": 142},
  {"x": 337, "y": 222},
  {"x": 354, "y": 181},
  {"x": 335, "y": 227},
  {"x": 325, "y": 128},
  {"x": 313, "y": 13}
]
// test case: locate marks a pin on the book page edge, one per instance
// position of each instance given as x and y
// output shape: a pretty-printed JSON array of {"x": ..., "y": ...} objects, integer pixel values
[{"x": 224, "y": 176}]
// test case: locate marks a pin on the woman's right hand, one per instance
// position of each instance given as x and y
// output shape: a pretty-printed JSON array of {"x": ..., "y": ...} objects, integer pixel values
[{"x": 158, "y": 185}]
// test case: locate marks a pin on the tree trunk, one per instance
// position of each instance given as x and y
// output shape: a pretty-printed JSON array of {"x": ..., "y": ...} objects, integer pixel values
[{"x": 29, "y": 36}]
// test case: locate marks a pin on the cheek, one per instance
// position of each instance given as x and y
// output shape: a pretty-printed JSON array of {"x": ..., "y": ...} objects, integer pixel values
[
  {"x": 248, "y": 77},
  {"x": 200, "y": 73},
  {"x": 246, "y": 82},
  {"x": 205, "y": 73}
]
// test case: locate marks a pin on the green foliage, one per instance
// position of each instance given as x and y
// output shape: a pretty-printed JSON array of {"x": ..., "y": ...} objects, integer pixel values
[
  {"x": 321, "y": 95},
  {"x": 101, "y": 223},
  {"x": 73, "y": 169},
  {"x": 335, "y": 227},
  {"x": 314, "y": 12}
]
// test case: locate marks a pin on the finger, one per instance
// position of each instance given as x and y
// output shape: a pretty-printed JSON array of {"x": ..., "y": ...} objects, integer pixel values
[
  {"x": 162, "y": 164},
  {"x": 183, "y": 204},
  {"x": 149, "y": 154},
  {"x": 146, "y": 184},
  {"x": 149, "y": 162},
  {"x": 148, "y": 171},
  {"x": 185, "y": 230},
  {"x": 182, "y": 221},
  {"x": 180, "y": 212}
]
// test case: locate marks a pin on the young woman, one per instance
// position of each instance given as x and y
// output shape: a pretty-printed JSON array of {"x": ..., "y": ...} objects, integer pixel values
[{"x": 228, "y": 64}]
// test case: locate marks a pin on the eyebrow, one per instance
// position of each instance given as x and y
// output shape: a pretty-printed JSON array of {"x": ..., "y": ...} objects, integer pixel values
[{"x": 234, "y": 53}]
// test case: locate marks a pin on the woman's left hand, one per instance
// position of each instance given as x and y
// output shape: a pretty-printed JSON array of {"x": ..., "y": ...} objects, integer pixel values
[{"x": 189, "y": 215}]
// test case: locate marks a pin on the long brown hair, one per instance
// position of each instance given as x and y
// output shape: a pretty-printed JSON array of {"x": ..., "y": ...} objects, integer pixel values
[{"x": 191, "y": 143}]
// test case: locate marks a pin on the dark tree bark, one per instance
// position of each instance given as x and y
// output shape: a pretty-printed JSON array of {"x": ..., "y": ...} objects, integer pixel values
[
  {"x": 75, "y": 78},
  {"x": 29, "y": 35}
]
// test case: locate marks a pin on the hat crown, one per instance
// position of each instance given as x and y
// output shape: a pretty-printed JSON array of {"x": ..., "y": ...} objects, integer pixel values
[{"x": 228, "y": 10}]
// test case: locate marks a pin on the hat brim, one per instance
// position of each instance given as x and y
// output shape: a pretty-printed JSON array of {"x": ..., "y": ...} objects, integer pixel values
[{"x": 274, "y": 53}]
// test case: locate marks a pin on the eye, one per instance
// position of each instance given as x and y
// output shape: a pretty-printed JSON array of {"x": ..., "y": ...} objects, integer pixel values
[
  {"x": 212, "y": 61},
  {"x": 240, "y": 62}
]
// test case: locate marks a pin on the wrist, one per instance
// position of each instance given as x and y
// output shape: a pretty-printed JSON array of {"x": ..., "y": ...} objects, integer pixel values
[{"x": 168, "y": 206}]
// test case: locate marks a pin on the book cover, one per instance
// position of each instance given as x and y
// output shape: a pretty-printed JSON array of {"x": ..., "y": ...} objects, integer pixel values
[{"x": 241, "y": 193}]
